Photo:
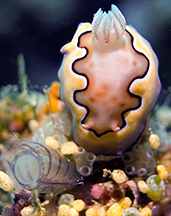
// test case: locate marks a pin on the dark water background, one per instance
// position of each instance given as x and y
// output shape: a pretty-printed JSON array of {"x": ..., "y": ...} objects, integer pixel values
[{"x": 39, "y": 28}]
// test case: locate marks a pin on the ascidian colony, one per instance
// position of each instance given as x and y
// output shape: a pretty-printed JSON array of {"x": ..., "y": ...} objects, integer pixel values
[{"x": 93, "y": 143}]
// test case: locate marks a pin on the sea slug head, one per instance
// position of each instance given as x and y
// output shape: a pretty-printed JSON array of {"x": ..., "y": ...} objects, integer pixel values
[
  {"x": 109, "y": 83},
  {"x": 108, "y": 27}
]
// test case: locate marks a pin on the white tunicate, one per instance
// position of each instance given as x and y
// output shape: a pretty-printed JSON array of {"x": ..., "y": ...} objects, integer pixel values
[
  {"x": 90, "y": 157},
  {"x": 62, "y": 122},
  {"x": 39, "y": 136},
  {"x": 140, "y": 160},
  {"x": 130, "y": 170},
  {"x": 58, "y": 126},
  {"x": 67, "y": 199},
  {"x": 142, "y": 172},
  {"x": 127, "y": 157},
  {"x": 84, "y": 170},
  {"x": 84, "y": 161},
  {"x": 65, "y": 121},
  {"x": 130, "y": 212},
  {"x": 150, "y": 154},
  {"x": 80, "y": 151},
  {"x": 164, "y": 115},
  {"x": 160, "y": 130}
]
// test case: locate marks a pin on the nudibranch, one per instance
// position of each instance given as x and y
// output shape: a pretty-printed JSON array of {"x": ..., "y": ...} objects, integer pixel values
[{"x": 109, "y": 82}]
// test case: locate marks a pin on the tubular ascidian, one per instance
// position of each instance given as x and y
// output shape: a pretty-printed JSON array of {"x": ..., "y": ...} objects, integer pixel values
[{"x": 34, "y": 165}]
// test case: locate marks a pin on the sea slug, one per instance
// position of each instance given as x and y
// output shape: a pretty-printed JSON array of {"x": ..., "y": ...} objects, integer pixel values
[{"x": 109, "y": 82}]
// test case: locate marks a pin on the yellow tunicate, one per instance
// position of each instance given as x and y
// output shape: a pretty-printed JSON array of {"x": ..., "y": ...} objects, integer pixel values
[
  {"x": 162, "y": 172},
  {"x": 142, "y": 186},
  {"x": 79, "y": 205},
  {"x": 154, "y": 141},
  {"x": 73, "y": 212},
  {"x": 5, "y": 182},
  {"x": 40, "y": 212},
  {"x": 156, "y": 187},
  {"x": 114, "y": 210},
  {"x": 69, "y": 148},
  {"x": 33, "y": 124},
  {"x": 101, "y": 211},
  {"x": 27, "y": 211},
  {"x": 64, "y": 210},
  {"x": 118, "y": 176},
  {"x": 146, "y": 212},
  {"x": 52, "y": 142},
  {"x": 96, "y": 211},
  {"x": 90, "y": 212},
  {"x": 117, "y": 208},
  {"x": 125, "y": 203}
]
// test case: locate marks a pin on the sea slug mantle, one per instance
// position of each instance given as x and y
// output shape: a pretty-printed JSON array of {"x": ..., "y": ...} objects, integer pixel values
[{"x": 109, "y": 82}]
